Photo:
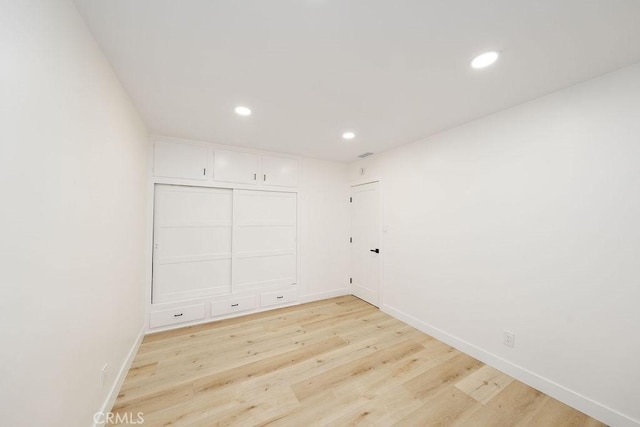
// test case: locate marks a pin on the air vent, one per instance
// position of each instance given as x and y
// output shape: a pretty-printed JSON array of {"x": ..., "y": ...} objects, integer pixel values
[{"x": 362, "y": 156}]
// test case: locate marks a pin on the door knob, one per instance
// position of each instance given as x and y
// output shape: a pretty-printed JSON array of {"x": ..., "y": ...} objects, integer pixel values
[{"x": 376, "y": 250}]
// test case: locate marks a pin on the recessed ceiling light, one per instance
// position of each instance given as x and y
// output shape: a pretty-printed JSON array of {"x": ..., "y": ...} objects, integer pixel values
[
  {"x": 243, "y": 111},
  {"x": 485, "y": 59},
  {"x": 348, "y": 135}
]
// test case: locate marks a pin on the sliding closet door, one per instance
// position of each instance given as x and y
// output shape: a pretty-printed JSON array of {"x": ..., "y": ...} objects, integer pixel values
[
  {"x": 192, "y": 242},
  {"x": 264, "y": 239}
]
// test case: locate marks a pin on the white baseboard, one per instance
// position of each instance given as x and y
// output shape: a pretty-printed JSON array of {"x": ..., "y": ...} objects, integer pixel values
[
  {"x": 324, "y": 295},
  {"x": 576, "y": 400},
  {"x": 122, "y": 374}
]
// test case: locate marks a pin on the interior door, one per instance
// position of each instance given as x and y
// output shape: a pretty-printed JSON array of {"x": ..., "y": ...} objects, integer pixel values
[
  {"x": 365, "y": 242},
  {"x": 192, "y": 242}
]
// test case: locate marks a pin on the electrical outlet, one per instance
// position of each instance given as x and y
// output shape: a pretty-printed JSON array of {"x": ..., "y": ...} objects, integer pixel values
[
  {"x": 103, "y": 376},
  {"x": 509, "y": 339}
]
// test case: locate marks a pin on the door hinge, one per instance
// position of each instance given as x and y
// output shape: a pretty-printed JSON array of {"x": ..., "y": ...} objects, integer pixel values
[
  {"x": 350, "y": 280},
  {"x": 204, "y": 171},
  {"x": 350, "y": 239},
  {"x": 350, "y": 199}
]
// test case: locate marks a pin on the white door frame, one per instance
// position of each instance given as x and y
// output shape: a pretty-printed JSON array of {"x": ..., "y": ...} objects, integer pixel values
[{"x": 380, "y": 236}]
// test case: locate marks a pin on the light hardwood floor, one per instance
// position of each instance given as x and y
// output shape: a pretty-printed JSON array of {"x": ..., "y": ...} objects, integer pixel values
[{"x": 333, "y": 362}]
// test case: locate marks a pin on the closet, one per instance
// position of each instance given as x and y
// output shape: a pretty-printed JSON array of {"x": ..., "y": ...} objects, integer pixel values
[{"x": 224, "y": 246}]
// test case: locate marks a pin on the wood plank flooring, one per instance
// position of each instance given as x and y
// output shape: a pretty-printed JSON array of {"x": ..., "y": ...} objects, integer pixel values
[{"x": 334, "y": 362}]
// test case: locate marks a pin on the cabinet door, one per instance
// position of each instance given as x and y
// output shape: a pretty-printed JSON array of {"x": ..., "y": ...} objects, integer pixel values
[
  {"x": 279, "y": 171},
  {"x": 235, "y": 166},
  {"x": 176, "y": 160}
]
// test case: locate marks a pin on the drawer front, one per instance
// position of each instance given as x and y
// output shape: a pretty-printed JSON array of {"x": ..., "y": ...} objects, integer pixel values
[
  {"x": 276, "y": 298},
  {"x": 233, "y": 305},
  {"x": 176, "y": 315}
]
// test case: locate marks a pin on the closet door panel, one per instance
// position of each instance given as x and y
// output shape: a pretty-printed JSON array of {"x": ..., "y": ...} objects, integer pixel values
[
  {"x": 263, "y": 271},
  {"x": 265, "y": 238},
  {"x": 180, "y": 242},
  {"x": 191, "y": 279},
  {"x": 193, "y": 205},
  {"x": 192, "y": 242},
  {"x": 264, "y": 242},
  {"x": 265, "y": 208}
]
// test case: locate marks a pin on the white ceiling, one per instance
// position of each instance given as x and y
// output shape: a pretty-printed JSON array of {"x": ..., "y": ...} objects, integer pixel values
[{"x": 393, "y": 71}]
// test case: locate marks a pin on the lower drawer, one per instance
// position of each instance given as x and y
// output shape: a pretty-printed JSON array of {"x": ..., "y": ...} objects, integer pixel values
[
  {"x": 233, "y": 305},
  {"x": 176, "y": 315},
  {"x": 275, "y": 298}
]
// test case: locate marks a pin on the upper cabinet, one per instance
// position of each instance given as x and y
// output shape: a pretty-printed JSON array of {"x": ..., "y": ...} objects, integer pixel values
[
  {"x": 235, "y": 166},
  {"x": 203, "y": 162},
  {"x": 279, "y": 171},
  {"x": 178, "y": 160}
]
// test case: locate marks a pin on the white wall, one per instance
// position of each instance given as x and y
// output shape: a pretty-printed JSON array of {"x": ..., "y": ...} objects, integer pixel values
[
  {"x": 323, "y": 229},
  {"x": 529, "y": 221},
  {"x": 73, "y": 168}
]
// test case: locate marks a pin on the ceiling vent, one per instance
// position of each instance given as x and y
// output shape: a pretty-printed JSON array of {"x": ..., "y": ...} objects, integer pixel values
[{"x": 362, "y": 156}]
